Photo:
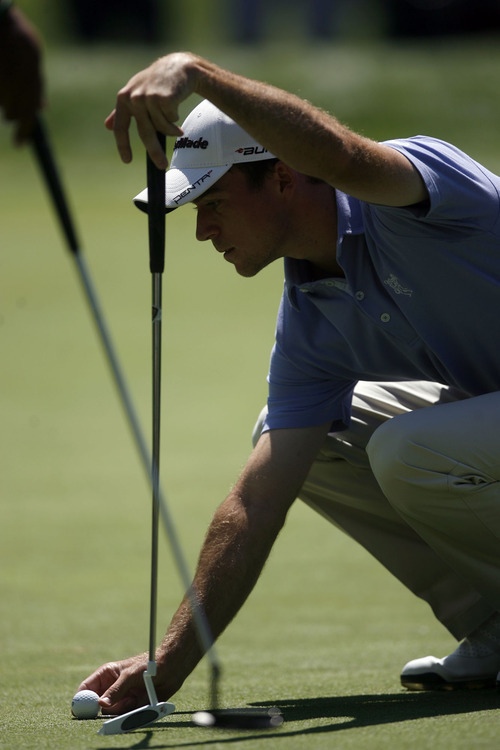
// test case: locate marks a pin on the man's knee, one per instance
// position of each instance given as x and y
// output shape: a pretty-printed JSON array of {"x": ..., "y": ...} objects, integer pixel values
[
  {"x": 417, "y": 469},
  {"x": 382, "y": 449},
  {"x": 400, "y": 460}
]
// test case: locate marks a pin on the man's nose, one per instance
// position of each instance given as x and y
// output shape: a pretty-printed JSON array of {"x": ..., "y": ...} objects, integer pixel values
[{"x": 206, "y": 229}]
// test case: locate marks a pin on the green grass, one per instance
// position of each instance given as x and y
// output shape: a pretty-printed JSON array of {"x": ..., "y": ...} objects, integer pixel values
[{"x": 326, "y": 631}]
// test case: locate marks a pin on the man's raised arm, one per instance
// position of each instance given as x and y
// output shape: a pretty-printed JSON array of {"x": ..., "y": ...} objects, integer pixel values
[{"x": 306, "y": 138}]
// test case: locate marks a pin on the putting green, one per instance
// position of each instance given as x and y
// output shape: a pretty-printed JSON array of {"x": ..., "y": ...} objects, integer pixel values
[{"x": 326, "y": 631}]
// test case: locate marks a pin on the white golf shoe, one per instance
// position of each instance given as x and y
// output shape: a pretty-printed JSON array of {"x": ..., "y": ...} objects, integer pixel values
[{"x": 473, "y": 665}]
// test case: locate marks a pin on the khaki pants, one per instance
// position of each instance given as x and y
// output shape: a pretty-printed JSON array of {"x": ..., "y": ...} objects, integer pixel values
[{"x": 415, "y": 480}]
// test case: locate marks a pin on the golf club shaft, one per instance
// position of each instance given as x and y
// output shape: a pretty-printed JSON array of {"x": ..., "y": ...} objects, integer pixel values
[
  {"x": 46, "y": 161},
  {"x": 157, "y": 310},
  {"x": 156, "y": 237},
  {"x": 50, "y": 172}
]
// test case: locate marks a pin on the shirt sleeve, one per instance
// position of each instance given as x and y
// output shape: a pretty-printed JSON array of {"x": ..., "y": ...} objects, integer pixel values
[
  {"x": 300, "y": 395},
  {"x": 300, "y": 402},
  {"x": 460, "y": 189}
]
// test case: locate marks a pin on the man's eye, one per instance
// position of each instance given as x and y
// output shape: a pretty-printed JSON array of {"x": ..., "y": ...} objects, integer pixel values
[{"x": 211, "y": 204}]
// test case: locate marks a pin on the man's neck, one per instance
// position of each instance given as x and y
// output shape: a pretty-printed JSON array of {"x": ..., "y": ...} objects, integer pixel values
[
  {"x": 319, "y": 238},
  {"x": 327, "y": 268}
]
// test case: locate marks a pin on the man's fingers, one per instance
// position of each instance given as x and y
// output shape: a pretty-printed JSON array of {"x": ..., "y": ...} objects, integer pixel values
[
  {"x": 120, "y": 122},
  {"x": 162, "y": 115},
  {"x": 136, "y": 107},
  {"x": 101, "y": 679},
  {"x": 152, "y": 112},
  {"x": 148, "y": 129},
  {"x": 121, "y": 135},
  {"x": 148, "y": 135},
  {"x": 116, "y": 708},
  {"x": 109, "y": 122},
  {"x": 120, "y": 685},
  {"x": 163, "y": 125},
  {"x": 125, "y": 694}
]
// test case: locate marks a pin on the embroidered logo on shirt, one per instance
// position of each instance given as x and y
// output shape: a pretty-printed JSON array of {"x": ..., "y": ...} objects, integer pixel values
[{"x": 396, "y": 285}]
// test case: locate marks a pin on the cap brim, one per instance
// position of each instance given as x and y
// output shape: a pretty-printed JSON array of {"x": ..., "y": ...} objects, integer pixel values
[{"x": 184, "y": 186}]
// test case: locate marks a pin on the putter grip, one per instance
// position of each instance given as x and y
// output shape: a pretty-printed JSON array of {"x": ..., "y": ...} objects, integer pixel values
[
  {"x": 156, "y": 212},
  {"x": 50, "y": 172}
]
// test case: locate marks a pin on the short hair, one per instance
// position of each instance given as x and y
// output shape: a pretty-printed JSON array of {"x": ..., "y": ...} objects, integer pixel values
[{"x": 256, "y": 172}]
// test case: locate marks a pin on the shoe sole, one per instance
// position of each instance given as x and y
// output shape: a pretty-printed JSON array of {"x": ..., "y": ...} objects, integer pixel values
[{"x": 432, "y": 681}]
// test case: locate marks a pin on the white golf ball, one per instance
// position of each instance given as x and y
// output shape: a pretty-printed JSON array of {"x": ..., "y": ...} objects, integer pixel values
[{"x": 85, "y": 705}]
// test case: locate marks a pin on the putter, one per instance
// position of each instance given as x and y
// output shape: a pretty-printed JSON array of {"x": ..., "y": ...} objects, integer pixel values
[
  {"x": 223, "y": 718},
  {"x": 147, "y": 715}
]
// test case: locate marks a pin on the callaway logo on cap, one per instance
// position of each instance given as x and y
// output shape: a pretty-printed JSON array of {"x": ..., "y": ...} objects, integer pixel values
[{"x": 209, "y": 147}]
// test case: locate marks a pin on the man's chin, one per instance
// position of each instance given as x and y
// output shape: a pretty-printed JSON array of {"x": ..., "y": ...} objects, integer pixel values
[{"x": 247, "y": 273}]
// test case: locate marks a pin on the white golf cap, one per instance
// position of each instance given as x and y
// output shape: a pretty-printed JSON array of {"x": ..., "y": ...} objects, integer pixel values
[{"x": 211, "y": 144}]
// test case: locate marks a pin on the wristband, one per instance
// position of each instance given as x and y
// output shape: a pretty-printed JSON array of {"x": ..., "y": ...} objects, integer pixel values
[{"x": 5, "y": 6}]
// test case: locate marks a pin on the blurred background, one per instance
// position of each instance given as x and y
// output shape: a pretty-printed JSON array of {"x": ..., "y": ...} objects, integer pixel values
[
  {"x": 413, "y": 55},
  {"x": 251, "y": 21},
  {"x": 74, "y": 506}
]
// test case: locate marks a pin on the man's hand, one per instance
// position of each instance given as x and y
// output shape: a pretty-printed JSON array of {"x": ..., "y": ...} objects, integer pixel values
[
  {"x": 120, "y": 685},
  {"x": 152, "y": 97},
  {"x": 21, "y": 84}
]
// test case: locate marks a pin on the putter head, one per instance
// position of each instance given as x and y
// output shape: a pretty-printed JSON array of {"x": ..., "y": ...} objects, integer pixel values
[
  {"x": 140, "y": 717},
  {"x": 239, "y": 718}
]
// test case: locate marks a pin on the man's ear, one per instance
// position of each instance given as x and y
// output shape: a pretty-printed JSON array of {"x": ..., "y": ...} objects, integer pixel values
[{"x": 285, "y": 177}]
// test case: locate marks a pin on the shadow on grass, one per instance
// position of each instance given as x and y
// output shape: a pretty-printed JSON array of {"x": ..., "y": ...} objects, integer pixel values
[
  {"x": 346, "y": 712},
  {"x": 373, "y": 710}
]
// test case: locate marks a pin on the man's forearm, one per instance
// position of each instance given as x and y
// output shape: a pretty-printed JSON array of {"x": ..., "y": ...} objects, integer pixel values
[
  {"x": 235, "y": 550},
  {"x": 288, "y": 126},
  {"x": 306, "y": 138}
]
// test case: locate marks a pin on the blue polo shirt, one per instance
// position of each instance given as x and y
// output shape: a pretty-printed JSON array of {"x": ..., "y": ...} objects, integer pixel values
[{"x": 420, "y": 299}]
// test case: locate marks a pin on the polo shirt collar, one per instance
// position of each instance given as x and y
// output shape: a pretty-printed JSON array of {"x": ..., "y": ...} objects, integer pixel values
[
  {"x": 349, "y": 222},
  {"x": 349, "y": 215}
]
